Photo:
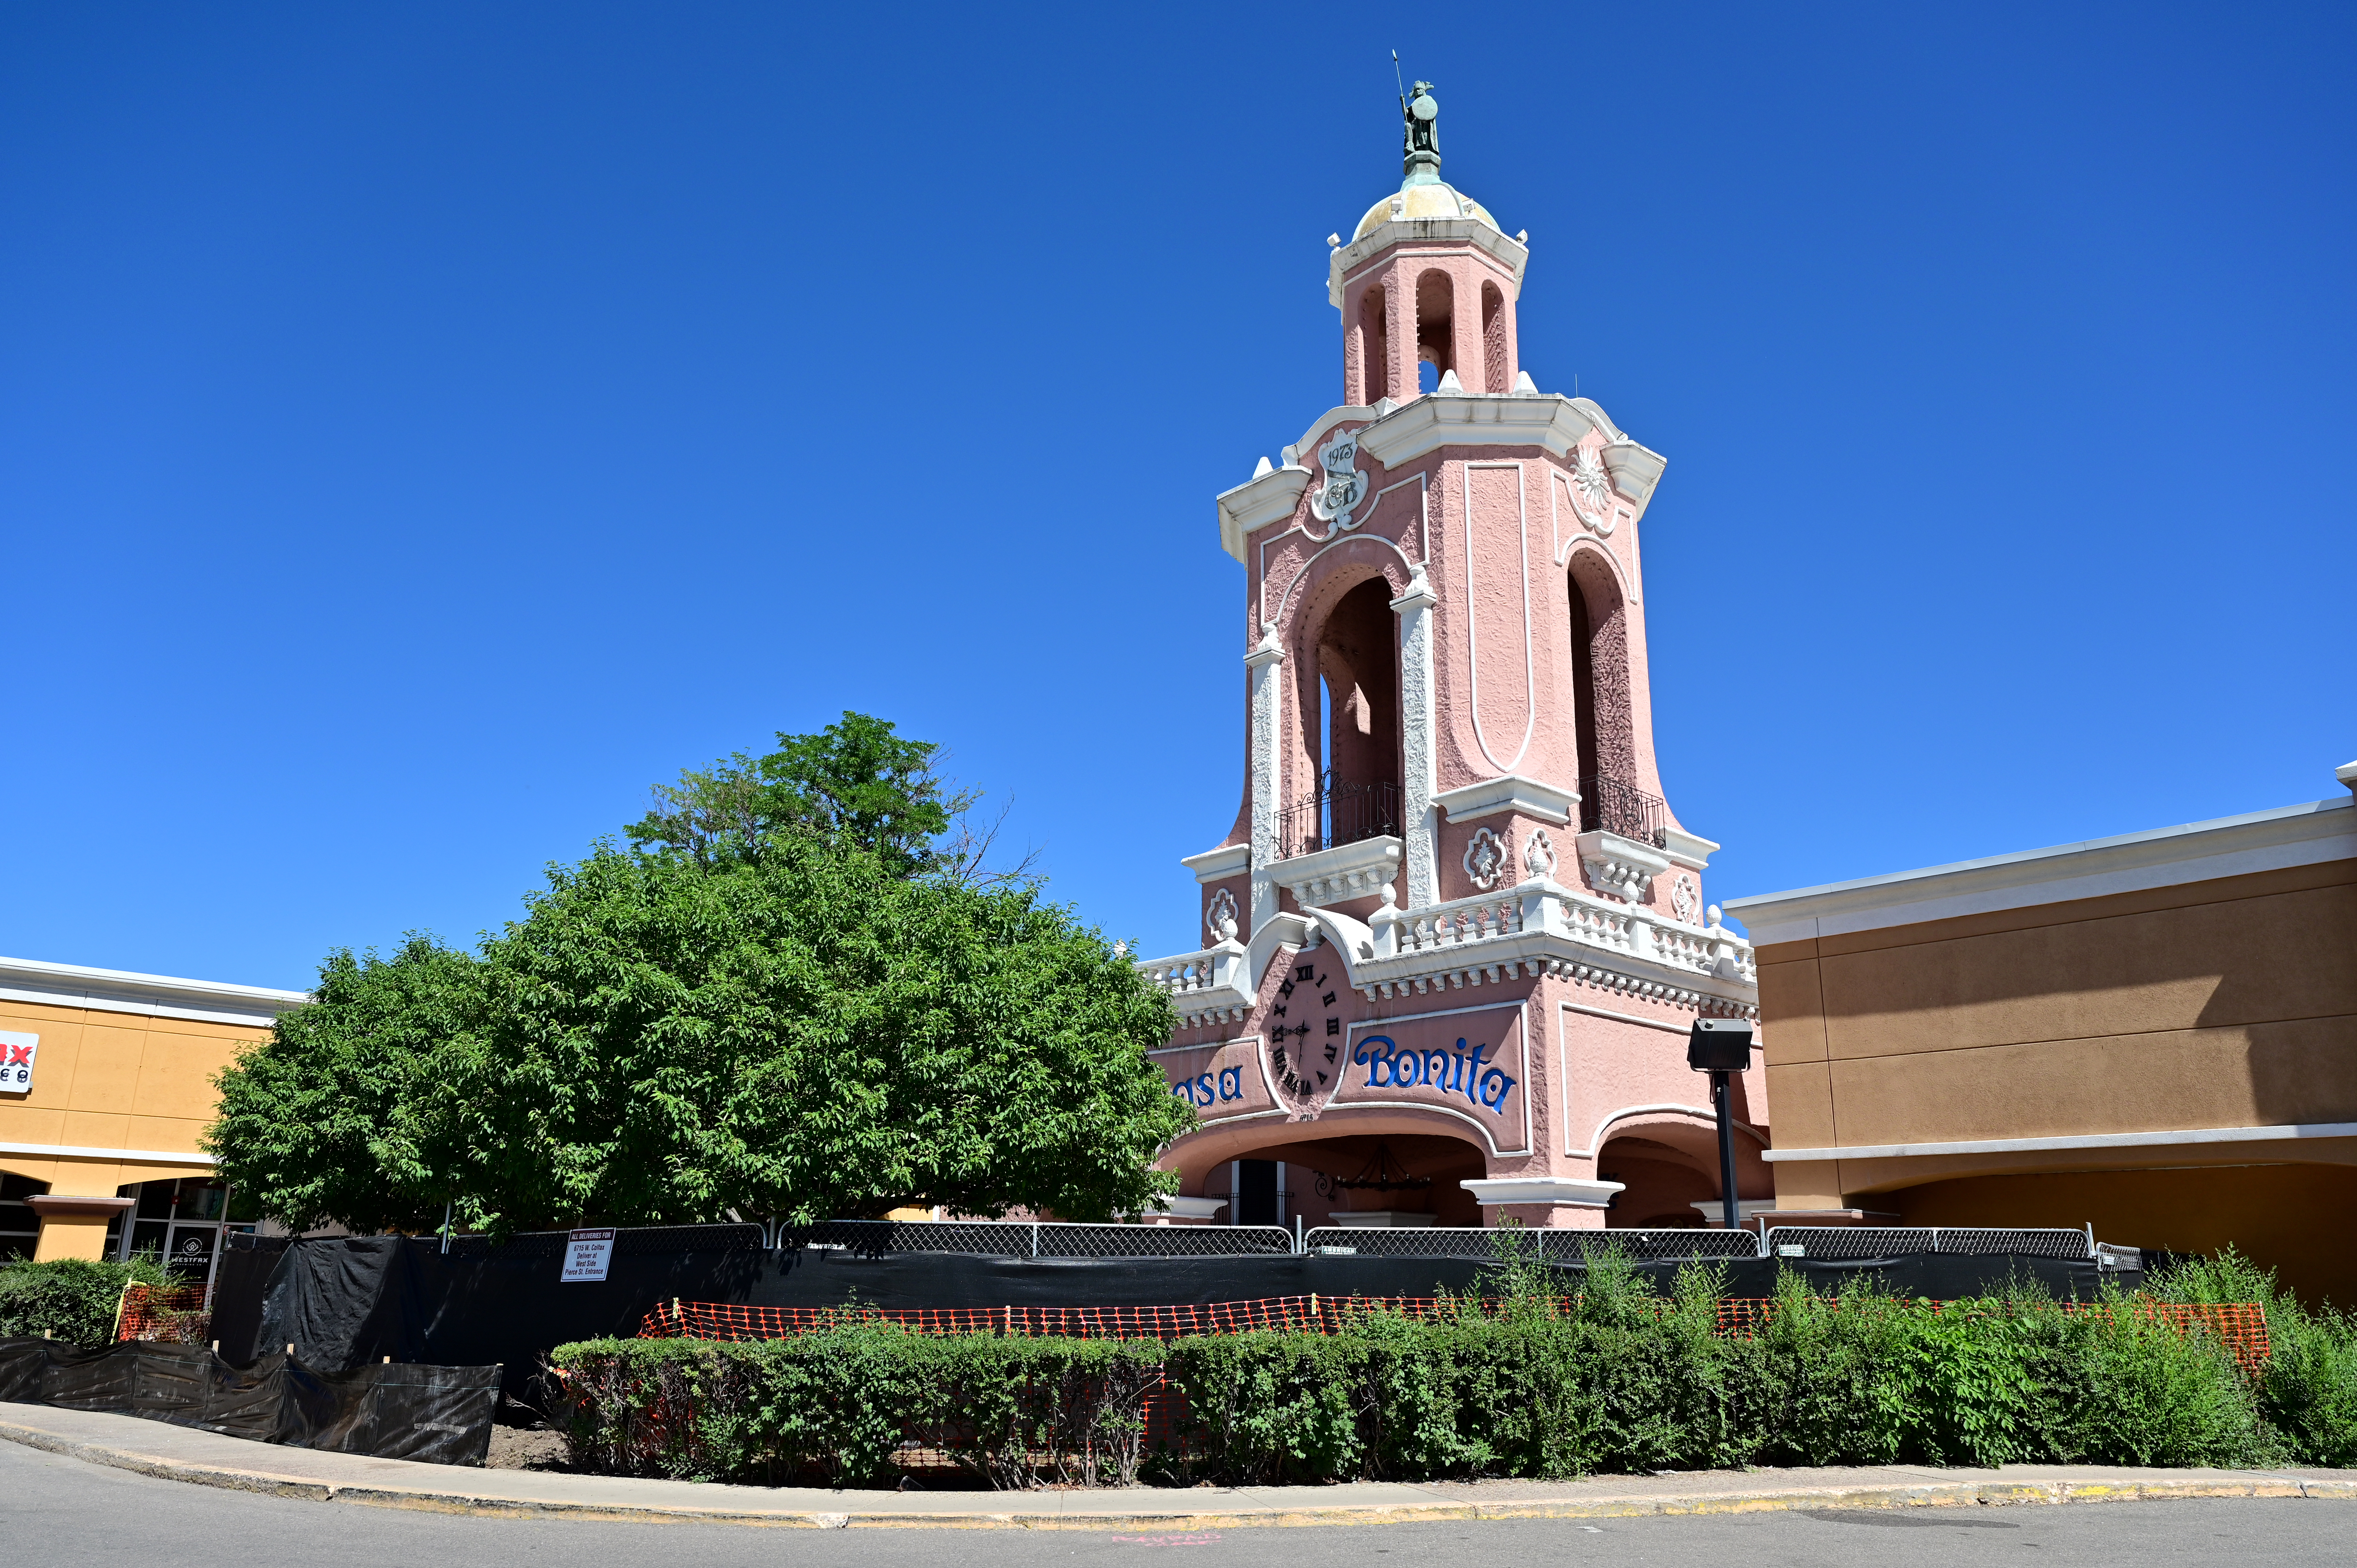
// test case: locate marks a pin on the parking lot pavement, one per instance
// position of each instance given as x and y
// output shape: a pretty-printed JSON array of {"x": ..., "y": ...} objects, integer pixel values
[{"x": 58, "y": 1509}]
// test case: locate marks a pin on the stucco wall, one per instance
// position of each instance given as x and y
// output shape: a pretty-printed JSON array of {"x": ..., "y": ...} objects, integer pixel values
[
  {"x": 2227, "y": 1002},
  {"x": 113, "y": 1080}
]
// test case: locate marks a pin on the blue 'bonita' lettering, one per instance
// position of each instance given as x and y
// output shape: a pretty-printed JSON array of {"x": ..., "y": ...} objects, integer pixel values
[{"x": 1459, "y": 1071}]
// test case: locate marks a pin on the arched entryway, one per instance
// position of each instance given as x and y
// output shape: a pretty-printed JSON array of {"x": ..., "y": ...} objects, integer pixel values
[{"x": 1395, "y": 1177}]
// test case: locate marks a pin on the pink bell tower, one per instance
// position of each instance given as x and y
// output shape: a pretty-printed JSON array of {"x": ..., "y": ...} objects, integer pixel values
[{"x": 1457, "y": 937}]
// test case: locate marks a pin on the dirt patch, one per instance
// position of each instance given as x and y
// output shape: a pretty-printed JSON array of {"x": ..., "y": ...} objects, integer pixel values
[{"x": 520, "y": 1448}]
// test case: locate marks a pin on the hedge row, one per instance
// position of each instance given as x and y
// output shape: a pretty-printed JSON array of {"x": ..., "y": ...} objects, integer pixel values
[
  {"x": 1620, "y": 1379},
  {"x": 70, "y": 1298}
]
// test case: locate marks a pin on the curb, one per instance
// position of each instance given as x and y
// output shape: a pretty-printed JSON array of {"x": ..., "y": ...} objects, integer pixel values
[{"x": 1980, "y": 1494}]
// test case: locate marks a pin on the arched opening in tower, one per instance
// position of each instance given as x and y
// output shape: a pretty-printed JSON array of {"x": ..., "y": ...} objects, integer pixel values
[
  {"x": 1357, "y": 739},
  {"x": 1436, "y": 331},
  {"x": 1603, "y": 724},
  {"x": 1374, "y": 349},
  {"x": 1493, "y": 338}
]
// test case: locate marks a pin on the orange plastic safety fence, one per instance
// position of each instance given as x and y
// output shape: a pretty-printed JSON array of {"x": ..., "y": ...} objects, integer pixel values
[
  {"x": 172, "y": 1316},
  {"x": 2241, "y": 1327}
]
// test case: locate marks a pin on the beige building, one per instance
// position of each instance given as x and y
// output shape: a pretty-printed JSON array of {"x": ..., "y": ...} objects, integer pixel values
[
  {"x": 106, "y": 1080},
  {"x": 2155, "y": 1034}
]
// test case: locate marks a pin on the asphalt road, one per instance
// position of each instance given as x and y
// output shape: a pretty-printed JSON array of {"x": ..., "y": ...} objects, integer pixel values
[{"x": 55, "y": 1510}]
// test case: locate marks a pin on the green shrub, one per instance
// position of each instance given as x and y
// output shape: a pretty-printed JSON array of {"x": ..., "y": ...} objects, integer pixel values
[
  {"x": 839, "y": 1404},
  {"x": 72, "y": 1299},
  {"x": 2307, "y": 1391},
  {"x": 1621, "y": 1376}
]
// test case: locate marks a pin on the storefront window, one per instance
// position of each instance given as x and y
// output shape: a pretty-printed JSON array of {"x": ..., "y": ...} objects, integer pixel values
[{"x": 20, "y": 1228}]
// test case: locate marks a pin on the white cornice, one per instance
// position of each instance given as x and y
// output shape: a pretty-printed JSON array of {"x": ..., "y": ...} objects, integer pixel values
[
  {"x": 2191, "y": 1135},
  {"x": 1217, "y": 865},
  {"x": 153, "y": 995},
  {"x": 1562, "y": 1191},
  {"x": 1507, "y": 792},
  {"x": 1690, "y": 850},
  {"x": 1511, "y": 254},
  {"x": 2308, "y": 834},
  {"x": 127, "y": 1156},
  {"x": 1260, "y": 500}
]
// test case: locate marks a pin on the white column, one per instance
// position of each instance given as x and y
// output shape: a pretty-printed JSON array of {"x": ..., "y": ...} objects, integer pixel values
[
  {"x": 1266, "y": 663},
  {"x": 1417, "y": 784}
]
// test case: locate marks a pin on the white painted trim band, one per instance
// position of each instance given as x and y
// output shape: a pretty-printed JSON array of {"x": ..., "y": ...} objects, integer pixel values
[
  {"x": 2308, "y": 834},
  {"x": 2088, "y": 1141},
  {"x": 1681, "y": 1031},
  {"x": 125, "y": 1156}
]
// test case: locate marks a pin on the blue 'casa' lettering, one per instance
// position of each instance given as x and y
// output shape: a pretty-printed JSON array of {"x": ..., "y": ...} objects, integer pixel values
[{"x": 1199, "y": 1092}]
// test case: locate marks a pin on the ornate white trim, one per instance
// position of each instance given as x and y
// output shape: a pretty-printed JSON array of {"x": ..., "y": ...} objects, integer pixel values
[
  {"x": 1488, "y": 858},
  {"x": 1681, "y": 896},
  {"x": 1414, "y": 610},
  {"x": 1701, "y": 1113},
  {"x": 1345, "y": 872},
  {"x": 1538, "y": 855},
  {"x": 1218, "y": 864},
  {"x": 1220, "y": 919},
  {"x": 1620, "y": 866},
  {"x": 1564, "y": 1192},
  {"x": 1507, "y": 792}
]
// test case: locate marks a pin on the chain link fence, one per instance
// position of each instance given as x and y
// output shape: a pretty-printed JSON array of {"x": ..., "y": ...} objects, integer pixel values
[
  {"x": 1553, "y": 1246},
  {"x": 1022, "y": 1239},
  {"x": 629, "y": 1241},
  {"x": 1848, "y": 1244}
]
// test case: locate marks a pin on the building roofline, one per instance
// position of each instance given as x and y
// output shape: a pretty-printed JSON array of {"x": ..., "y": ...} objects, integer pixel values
[
  {"x": 2305, "y": 834},
  {"x": 154, "y": 995}
]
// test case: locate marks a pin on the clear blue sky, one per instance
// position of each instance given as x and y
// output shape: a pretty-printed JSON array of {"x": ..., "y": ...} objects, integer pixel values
[{"x": 422, "y": 427}]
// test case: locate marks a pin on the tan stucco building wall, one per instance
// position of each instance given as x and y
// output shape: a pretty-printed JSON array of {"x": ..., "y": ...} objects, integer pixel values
[
  {"x": 121, "y": 1085},
  {"x": 2156, "y": 1034}
]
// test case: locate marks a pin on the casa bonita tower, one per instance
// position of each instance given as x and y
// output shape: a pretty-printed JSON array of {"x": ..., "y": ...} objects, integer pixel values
[{"x": 1457, "y": 936}]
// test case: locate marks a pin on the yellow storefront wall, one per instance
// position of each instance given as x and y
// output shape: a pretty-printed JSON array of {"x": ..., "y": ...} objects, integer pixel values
[{"x": 117, "y": 1097}]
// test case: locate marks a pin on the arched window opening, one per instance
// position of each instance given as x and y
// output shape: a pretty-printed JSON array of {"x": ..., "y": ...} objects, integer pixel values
[
  {"x": 1374, "y": 349},
  {"x": 1603, "y": 716},
  {"x": 1493, "y": 338},
  {"x": 1355, "y": 744},
  {"x": 1436, "y": 338},
  {"x": 1428, "y": 376}
]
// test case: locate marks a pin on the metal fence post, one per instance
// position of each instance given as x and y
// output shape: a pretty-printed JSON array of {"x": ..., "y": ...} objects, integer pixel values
[{"x": 1035, "y": 1240}]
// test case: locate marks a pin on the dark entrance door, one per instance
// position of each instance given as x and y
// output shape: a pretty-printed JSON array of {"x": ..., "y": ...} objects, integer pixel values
[{"x": 1256, "y": 1192}]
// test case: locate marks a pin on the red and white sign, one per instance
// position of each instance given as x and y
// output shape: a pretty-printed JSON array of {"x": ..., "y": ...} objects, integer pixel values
[
  {"x": 16, "y": 1062},
  {"x": 586, "y": 1253}
]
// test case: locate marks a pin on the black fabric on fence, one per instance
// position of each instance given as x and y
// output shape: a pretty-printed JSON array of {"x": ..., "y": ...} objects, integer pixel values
[
  {"x": 347, "y": 1302},
  {"x": 437, "y": 1413}
]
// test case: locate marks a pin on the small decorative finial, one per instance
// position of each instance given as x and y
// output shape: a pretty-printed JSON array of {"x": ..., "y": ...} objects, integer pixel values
[{"x": 1421, "y": 111}]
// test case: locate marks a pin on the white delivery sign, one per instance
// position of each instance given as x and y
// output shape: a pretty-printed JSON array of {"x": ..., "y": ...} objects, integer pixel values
[
  {"x": 586, "y": 1253},
  {"x": 16, "y": 1062}
]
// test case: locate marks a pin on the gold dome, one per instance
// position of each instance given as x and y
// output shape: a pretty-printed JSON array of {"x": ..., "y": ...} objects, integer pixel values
[{"x": 1430, "y": 199}]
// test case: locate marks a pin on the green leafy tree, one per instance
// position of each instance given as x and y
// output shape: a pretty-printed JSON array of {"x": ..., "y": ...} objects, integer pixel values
[
  {"x": 858, "y": 782},
  {"x": 356, "y": 1108},
  {"x": 808, "y": 1032}
]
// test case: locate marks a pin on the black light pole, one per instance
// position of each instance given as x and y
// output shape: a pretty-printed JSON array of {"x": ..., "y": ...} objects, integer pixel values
[{"x": 1721, "y": 1048}]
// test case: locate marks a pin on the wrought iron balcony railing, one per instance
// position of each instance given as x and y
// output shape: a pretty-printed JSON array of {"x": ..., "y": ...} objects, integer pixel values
[
  {"x": 1337, "y": 814},
  {"x": 1617, "y": 808}
]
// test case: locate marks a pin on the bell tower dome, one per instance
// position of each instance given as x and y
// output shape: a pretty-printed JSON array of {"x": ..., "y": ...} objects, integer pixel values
[
  {"x": 1457, "y": 913},
  {"x": 1427, "y": 277}
]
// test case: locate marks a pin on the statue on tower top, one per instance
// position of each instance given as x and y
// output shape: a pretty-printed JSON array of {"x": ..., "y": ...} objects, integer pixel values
[{"x": 1421, "y": 111}]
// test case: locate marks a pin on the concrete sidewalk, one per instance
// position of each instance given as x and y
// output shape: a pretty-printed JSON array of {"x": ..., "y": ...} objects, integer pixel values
[{"x": 179, "y": 1454}]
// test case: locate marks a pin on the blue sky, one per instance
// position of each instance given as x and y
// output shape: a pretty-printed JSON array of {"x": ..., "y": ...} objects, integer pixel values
[{"x": 423, "y": 427}]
